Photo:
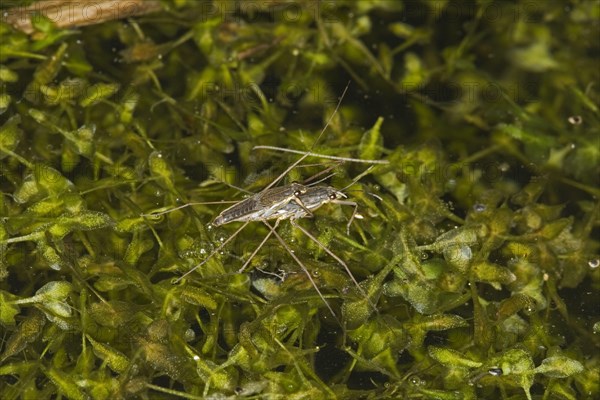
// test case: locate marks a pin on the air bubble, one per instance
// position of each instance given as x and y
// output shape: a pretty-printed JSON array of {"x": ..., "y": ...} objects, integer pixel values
[
  {"x": 189, "y": 335},
  {"x": 415, "y": 380}
]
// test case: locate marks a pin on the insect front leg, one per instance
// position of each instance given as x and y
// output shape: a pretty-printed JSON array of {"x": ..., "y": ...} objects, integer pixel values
[{"x": 354, "y": 213}]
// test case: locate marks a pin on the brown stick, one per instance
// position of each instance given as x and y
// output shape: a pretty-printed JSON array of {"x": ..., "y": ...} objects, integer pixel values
[{"x": 73, "y": 13}]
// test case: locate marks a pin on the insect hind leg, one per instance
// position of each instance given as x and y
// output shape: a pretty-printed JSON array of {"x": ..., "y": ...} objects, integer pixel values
[
  {"x": 303, "y": 267},
  {"x": 335, "y": 257}
]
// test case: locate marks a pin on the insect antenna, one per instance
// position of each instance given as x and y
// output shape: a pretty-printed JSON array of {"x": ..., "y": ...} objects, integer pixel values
[
  {"x": 358, "y": 177},
  {"x": 326, "y": 170},
  {"x": 306, "y": 154}
]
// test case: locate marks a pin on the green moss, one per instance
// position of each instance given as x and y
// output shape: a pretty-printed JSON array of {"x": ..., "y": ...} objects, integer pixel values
[{"x": 477, "y": 254}]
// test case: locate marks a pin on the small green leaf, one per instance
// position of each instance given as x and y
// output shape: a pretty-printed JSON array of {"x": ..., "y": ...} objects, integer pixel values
[
  {"x": 111, "y": 313},
  {"x": 492, "y": 273},
  {"x": 10, "y": 135},
  {"x": 5, "y": 101},
  {"x": 451, "y": 358},
  {"x": 371, "y": 142},
  {"x": 51, "y": 291},
  {"x": 116, "y": 360},
  {"x": 517, "y": 366},
  {"x": 559, "y": 367},
  {"x": 8, "y": 309},
  {"x": 7, "y": 74},
  {"x": 27, "y": 332},
  {"x": 65, "y": 383},
  {"x": 98, "y": 92},
  {"x": 51, "y": 180},
  {"x": 513, "y": 305},
  {"x": 198, "y": 297}
]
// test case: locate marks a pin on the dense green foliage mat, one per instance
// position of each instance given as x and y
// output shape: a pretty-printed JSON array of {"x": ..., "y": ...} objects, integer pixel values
[{"x": 477, "y": 252}]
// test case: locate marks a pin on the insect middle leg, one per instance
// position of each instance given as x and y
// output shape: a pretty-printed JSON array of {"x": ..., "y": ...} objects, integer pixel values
[{"x": 215, "y": 251}]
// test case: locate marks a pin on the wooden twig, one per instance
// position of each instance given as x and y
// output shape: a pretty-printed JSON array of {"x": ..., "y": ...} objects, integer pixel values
[{"x": 74, "y": 13}]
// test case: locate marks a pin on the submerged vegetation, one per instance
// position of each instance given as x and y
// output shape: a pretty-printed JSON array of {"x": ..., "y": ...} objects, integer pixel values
[{"x": 478, "y": 244}]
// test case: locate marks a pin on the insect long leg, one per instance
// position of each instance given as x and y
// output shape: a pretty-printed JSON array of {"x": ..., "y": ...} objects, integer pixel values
[
  {"x": 259, "y": 247},
  {"x": 348, "y": 203},
  {"x": 310, "y": 278},
  {"x": 329, "y": 157},
  {"x": 335, "y": 257},
  {"x": 215, "y": 251},
  {"x": 169, "y": 210}
]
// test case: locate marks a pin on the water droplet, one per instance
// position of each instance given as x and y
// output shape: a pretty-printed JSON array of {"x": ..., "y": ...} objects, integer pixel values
[{"x": 479, "y": 207}]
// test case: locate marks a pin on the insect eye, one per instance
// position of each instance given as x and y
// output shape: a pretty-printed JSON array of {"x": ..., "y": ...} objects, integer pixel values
[{"x": 332, "y": 196}]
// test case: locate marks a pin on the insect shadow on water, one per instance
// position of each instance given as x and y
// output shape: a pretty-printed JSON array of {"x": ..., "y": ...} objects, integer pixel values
[{"x": 288, "y": 202}]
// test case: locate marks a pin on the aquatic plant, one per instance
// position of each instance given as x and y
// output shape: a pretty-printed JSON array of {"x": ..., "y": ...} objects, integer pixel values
[{"x": 477, "y": 254}]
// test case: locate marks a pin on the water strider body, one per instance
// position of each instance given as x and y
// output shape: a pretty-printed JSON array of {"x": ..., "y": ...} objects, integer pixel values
[
  {"x": 311, "y": 199},
  {"x": 288, "y": 202},
  {"x": 265, "y": 205}
]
